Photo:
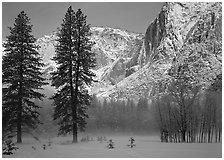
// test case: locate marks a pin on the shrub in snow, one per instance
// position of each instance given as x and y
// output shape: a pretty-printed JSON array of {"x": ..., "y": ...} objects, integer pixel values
[
  {"x": 8, "y": 147},
  {"x": 111, "y": 144}
]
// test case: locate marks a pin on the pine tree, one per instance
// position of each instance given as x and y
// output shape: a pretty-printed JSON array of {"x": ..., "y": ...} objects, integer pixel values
[
  {"x": 22, "y": 78},
  {"x": 75, "y": 61}
]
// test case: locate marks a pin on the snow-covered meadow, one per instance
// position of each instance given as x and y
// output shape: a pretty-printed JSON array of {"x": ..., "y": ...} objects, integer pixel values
[{"x": 146, "y": 147}]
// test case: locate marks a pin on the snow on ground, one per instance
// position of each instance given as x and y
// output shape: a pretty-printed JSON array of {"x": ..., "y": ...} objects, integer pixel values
[{"x": 146, "y": 147}]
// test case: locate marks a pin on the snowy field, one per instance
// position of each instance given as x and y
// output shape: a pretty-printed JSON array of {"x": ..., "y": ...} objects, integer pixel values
[{"x": 147, "y": 147}]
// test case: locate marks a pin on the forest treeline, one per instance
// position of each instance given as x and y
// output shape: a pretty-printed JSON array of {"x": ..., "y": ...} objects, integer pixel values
[
  {"x": 108, "y": 116},
  {"x": 122, "y": 116},
  {"x": 156, "y": 116}
]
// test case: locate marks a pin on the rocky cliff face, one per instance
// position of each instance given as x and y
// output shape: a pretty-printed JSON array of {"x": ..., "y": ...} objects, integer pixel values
[
  {"x": 171, "y": 28},
  {"x": 115, "y": 49},
  {"x": 165, "y": 36}
]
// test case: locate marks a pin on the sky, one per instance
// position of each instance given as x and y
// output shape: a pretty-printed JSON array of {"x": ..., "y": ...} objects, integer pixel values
[{"x": 46, "y": 17}]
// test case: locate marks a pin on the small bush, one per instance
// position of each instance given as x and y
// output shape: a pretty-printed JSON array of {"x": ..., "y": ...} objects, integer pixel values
[{"x": 8, "y": 147}]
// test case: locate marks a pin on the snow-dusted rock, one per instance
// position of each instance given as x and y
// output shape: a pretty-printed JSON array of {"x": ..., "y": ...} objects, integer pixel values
[
  {"x": 164, "y": 37},
  {"x": 129, "y": 63}
]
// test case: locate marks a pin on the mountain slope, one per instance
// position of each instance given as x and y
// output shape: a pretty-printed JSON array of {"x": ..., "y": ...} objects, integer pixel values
[
  {"x": 117, "y": 54},
  {"x": 128, "y": 63},
  {"x": 165, "y": 36}
]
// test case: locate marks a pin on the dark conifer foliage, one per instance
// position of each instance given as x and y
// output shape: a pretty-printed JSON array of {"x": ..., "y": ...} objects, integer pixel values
[
  {"x": 22, "y": 78},
  {"x": 75, "y": 61}
]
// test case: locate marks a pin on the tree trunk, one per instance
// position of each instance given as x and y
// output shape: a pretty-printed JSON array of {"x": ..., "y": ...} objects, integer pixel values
[
  {"x": 183, "y": 136},
  {"x": 74, "y": 114},
  {"x": 75, "y": 137},
  {"x": 73, "y": 99},
  {"x": 216, "y": 135},
  {"x": 20, "y": 106},
  {"x": 202, "y": 128},
  {"x": 220, "y": 135},
  {"x": 212, "y": 131},
  {"x": 179, "y": 137},
  {"x": 19, "y": 127},
  {"x": 209, "y": 134}
]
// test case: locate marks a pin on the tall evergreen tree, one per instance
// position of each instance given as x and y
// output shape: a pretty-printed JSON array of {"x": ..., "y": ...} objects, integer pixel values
[
  {"x": 75, "y": 61},
  {"x": 22, "y": 78}
]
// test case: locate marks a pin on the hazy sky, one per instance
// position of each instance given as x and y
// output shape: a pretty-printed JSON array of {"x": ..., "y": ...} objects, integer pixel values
[{"x": 47, "y": 16}]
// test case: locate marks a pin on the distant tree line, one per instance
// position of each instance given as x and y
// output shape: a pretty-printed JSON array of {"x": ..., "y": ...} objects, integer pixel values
[{"x": 121, "y": 116}]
